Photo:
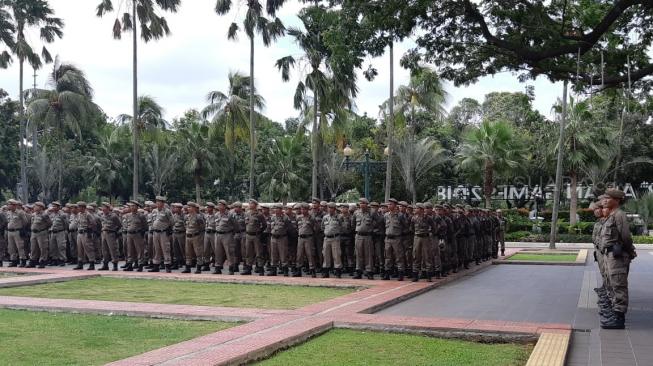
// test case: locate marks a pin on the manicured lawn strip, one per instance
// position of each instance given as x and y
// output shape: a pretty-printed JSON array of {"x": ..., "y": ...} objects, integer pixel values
[
  {"x": 37, "y": 338},
  {"x": 181, "y": 292},
  {"x": 544, "y": 257},
  {"x": 5, "y": 274},
  {"x": 352, "y": 348}
]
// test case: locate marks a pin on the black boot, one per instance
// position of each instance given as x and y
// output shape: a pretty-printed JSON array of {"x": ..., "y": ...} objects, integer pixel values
[
  {"x": 231, "y": 269},
  {"x": 186, "y": 269},
  {"x": 415, "y": 277},
  {"x": 105, "y": 267},
  {"x": 466, "y": 265},
  {"x": 168, "y": 268},
  {"x": 386, "y": 276},
  {"x": 217, "y": 270},
  {"x": 428, "y": 276},
  {"x": 325, "y": 273},
  {"x": 154, "y": 269},
  {"x": 31, "y": 264},
  {"x": 313, "y": 274},
  {"x": 1, "y": 264},
  {"x": 129, "y": 267},
  {"x": 198, "y": 270},
  {"x": 115, "y": 266},
  {"x": 370, "y": 275},
  {"x": 42, "y": 264},
  {"x": 206, "y": 268},
  {"x": 125, "y": 266},
  {"x": 23, "y": 263},
  {"x": 437, "y": 275},
  {"x": 80, "y": 265},
  {"x": 359, "y": 275},
  {"x": 175, "y": 266},
  {"x": 13, "y": 264},
  {"x": 140, "y": 267},
  {"x": 285, "y": 271},
  {"x": 272, "y": 271},
  {"x": 338, "y": 273},
  {"x": 617, "y": 321},
  {"x": 62, "y": 263},
  {"x": 91, "y": 266},
  {"x": 400, "y": 276},
  {"x": 297, "y": 272}
]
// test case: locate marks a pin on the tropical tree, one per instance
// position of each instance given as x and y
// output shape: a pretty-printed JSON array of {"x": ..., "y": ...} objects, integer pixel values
[
  {"x": 333, "y": 173},
  {"x": 27, "y": 15},
  {"x": 229, "y": 112},
  {"x": 424, "y": 92},
  {"x": 416, "y": 160},
  {"x": 7, "y": 30},
  {"x": 192, "y": 144},
  {"x": 283, "y": 179},
  {"x": 150, "y": 116},
  {"x": 161, "y": 160},
  {"x": 152, "y": 26},
  {"x": 45, "y": 172},
  {"x": 255, "y": 22},
  {"x": 491, "y": 148},
  {"x": 63, "y": 108},
  {"x": 332, "y": 89},
  {"x": 106, "y": 166}
]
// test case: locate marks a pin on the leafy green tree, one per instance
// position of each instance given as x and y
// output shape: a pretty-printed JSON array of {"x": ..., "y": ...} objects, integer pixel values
[
  {"x": 491, "y": 148},
  {"x": 63, "y": 108},
  {"x": 192, "y": 143},
  {"x": 424, "y": 93},
  {"x": 152, "y": 26},
  {"x": 282, "y": 180},
  {"x": 9, "y": 132},
  {"x": 161, "y": 161},
  {"x": 516, "y": 108},
  {"x": 416, "y": 160},
  {"x": 7, "y": 30},
  {"x": 107, "y": 166},
  {"x": 229, "y": 112},
  {"x": 27, "y": 15},
  {"x": 150, "y": 116},
  {"x": 255, "y": 22}
]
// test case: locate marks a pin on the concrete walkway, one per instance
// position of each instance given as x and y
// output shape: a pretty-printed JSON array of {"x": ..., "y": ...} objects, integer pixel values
[{"x": 551, "y": 294}]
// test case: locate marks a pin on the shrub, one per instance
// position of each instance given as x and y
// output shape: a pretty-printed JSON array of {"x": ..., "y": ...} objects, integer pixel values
[
  {"x": 517, "y": 235},
  {"x": 641, "y": 239},
  {"x": 584, "y": 214}
]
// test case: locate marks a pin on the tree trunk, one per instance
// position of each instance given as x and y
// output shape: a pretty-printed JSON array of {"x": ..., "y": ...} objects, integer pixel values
[
  {"x": 198, "y": 198},
  {"x": 60, "y": 168},
  {"x": 558, "y": 186},
  {"x": 135, "y": 101},
  {"x": 232, "y": 162},
  {"x": 252, "y": 126},
  {"x": 314, "y": 144},
  {"x": 390, "y": 124},
  {"x": 23, "y": 128},
  {"x": 573, "y": 201},
  {"x": 488, "y": 183}
]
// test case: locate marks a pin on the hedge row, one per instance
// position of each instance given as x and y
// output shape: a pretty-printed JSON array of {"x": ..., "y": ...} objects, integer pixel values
[
  {"x": 563, "y": 228},
  {"x": 527, "y": 236}
]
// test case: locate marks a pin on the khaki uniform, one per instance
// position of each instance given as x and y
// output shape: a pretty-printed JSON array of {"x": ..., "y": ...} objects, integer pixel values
[
  {"x": 394, "y": 224},
  {"x": 72, "y": 236},
  {"x": 209, "y": 237},
  {"x": 224, "y": 246},
  {"x": 85, "y": 228},
  {"x": 178, "y": 238},
  {"x": 161, "y": 226},
  {"x": 421, "y": 226},
  {"x": 255, "y": 224},
  {"x": 348, "y": 223},
  {"x": 364, "y": 241},
  {"x": 279, "y": 241},
  {"x": 16, "y": 221},
  {"x": 318, "y": 238},
  {"x": 136, "y": 225},
  {"x": 148, "y": 245},
  {"x": 617, "y": 246},
  {"x": 598, "y": 255},
  {"x": 331, "y": 226},
  {"x": 39, "y": 240},
  {"x": 239, "y": 238},
  {"x": 379, "y": 240},
  {"x": 58, "y": 234},
  {"x": 194, "y": 244},
  {"x": 3, "y": 233},
  {"x": 111, "y": 225},
  {"x": 306, "y": 232},
  {"x": 438, "y": 231}
]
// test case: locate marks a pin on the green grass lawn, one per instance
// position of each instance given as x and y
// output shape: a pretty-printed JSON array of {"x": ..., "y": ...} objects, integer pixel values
[
  {"x": 352, "y": 348},
  {"x": 182, "y": 292},
  {"x": 6, "y": 274},
  {"x": 544, "y": 257},
  {"x": 37, "y": 338}
]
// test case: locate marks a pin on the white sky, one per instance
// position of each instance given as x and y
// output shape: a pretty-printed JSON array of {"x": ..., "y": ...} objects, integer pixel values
[{"x": 178, "y": 71}]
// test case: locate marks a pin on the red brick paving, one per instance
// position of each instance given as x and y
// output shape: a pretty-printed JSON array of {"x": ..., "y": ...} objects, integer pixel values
[{"x": 268, "y": 330}]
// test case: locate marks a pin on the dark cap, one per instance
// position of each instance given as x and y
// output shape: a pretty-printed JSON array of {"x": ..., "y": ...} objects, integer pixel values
[
  {"x": 363, "y": 200},
  {"x": 392, "y": 200},
  {"x": 615, "y": 193}
]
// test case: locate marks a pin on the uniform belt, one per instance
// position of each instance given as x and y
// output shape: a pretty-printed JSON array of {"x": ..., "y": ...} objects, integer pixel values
[
  {"x": 238, "y": 232},
  {"x": 252, "y": 233},
  {"x": 331, "y": 236},
  {"x": 304, "y": 236},
  {"x": 363, "y": 234},
  {"x": 392, "y": 236},
  {"x": 192, "y": 235},
  {"x": 133, "y": 232},
  {"x": 278, "y": 236},
  {"x": 72, "y": 230},
  {"x": 38, "y": 231},
  {"x": 83, "y": 231},
  {"x": 223, "y": 232},
  {"x": 210, "y": 231},
  {"x": 159, "y": 231},
  {"x": 109, "y": 231},
  {"x": 179, "y": 232},
  {"x": 422, "y": 235},
  {"x": 57, "y": 232},
  {"x": 13, "y": 230}
]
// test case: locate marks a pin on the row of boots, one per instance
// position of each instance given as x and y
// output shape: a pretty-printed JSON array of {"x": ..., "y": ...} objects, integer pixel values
[{"x": 609, "y": 318}]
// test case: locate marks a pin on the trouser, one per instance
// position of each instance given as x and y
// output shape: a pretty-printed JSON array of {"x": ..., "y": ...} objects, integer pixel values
[
  {"x": 600, "y": 261},
  {"x": 134, "y": 243},
  {"x": 435, "y": 254},
  {"x": 279, "y": 251},
  {"x": 618, "y": 268},
  {"x": 71, "y": 250},
  {"x": 378, "y": 247},
  {"x": 97, "y": 244},
  {"x": 161, "y": 242},
  {"x": 209, "y": 242},
  {"x": 194, "y": 249},
  {"x": 407, "y": 244},
  {"x": 394, "y": 248},
  {"x": 85, "y": 248},
  {"x": 331, "y": 253},
  {"x": 422, "y": 254},
  {"x": 148, "y": 246},
  {"x": 239, "y": 248},
  {"x": 57, "y": 247},
  {"x": 254, "y": 251},
  {"x": 453, "y": 252},
  {"x": 179, "y": 247},
  {"x": 461, "y": 250},
  {"x": 501, "y": 238},
  {"x": 305, "y": 252},
  {"x": 224, "y": 248},
  {"x": 347, "y": 249},
  {"x": 109, "y": 246},
  {"x": 471, "y": 248},
  {"x": 364, "y": 253},
  {"x": 318, "y": 241},
  {"x": 39, "y": 246},
  {"x": 3, "y": 246},
  {"x": 15, "y": 245}
]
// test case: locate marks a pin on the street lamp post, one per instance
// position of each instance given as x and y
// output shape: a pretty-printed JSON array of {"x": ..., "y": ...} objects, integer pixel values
[{"x": 364, "y": 166}]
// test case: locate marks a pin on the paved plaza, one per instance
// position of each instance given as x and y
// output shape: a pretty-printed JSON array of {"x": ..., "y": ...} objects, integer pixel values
[{"x": 492, "y": 302}]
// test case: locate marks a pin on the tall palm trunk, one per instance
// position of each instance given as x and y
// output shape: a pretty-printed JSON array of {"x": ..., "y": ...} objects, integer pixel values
[
  {"x": 135, "y": 101},
  {"x": 22, "y": 148},
  {"x": 488, "y": 183},
  {"x": 60, "y": 163},
  {"x": 556, "y": 193},
  {"x": 573, "y": 201},
  {"x": 390, "y": 127},
  {"x": 232, "y": 168},
  {"x": 315, "y": 147},
  {"x": 197, "y": 191},
  {"x": 252, "y": 127}
]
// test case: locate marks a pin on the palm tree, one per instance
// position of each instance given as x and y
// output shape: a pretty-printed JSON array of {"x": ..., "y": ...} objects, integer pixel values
[
  {"x": 150, "y": 115},
  {"x": 491, "y": 148},
  {"x": 152, "y": 26},
  {"x": 284, "y": 161},
  {"x": 28, "y": 14},
  {"x": 332, "y": 90},
  {"x": 7, "y": 30},
  {"x": 416, "y": 160},
  {"x": 64, "y": 108},
  {"x": 230, "y": 112},
  {"x": 254, "y": 22},
  {"x": 424, "y": 92},
  {"x": 45, "y": 173},
  {"x": 193, "y": 141},
  {"x": 106, "y": 166},
  {"x": 161, "y": 161}
]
